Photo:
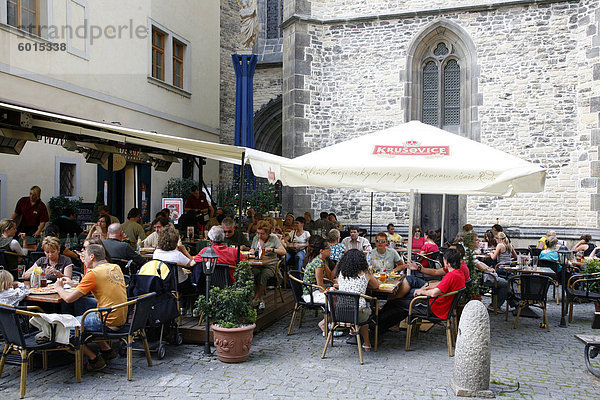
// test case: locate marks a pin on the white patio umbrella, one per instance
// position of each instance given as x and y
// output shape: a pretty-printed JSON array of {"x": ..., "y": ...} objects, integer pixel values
[{"x": 407, "y": 158}]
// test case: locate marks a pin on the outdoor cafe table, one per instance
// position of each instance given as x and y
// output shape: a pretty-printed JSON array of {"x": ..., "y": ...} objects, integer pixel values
[
  {"x": 526, "y": 269},
  {"x": 52, "y": 298}
]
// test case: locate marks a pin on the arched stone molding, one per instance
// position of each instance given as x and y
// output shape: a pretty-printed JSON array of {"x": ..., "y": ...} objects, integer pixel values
[
  {"x": 267, "y": 127},
  {"x": 464, "y": 48}
]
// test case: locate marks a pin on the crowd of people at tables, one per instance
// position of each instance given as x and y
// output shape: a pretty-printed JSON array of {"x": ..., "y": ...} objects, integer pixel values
[{"x": 314, "y": 247}]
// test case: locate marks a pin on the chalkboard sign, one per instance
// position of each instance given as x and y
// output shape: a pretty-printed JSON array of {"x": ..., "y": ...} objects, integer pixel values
[{"x": 84, "y": 213}]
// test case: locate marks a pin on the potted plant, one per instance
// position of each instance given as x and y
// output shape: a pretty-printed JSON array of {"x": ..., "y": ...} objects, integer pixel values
[
  {"x": 473, "y": 289},
  {"x": 232, "y": 315}
]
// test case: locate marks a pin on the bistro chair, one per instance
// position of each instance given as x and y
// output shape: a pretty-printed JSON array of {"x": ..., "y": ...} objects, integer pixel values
[
  {"x": 125, "y": 265},
  {"x": 555, "y": 281},
  {"x": 343, "y": 309},
  {"x": 24, "y": 343},
  {"x": 419, "y": 315},
  {"x": 140, "y": 308},
  {"x": 529, "y": 290},
  {"x": 297, "y": 286},
  {"x": 278, "y": 279},
  {"x": 34, "y": 256},
  {"x": 582, "y": 287},
  {"x": 219, "y": 278},
  {"x": 523, "y": 251}
]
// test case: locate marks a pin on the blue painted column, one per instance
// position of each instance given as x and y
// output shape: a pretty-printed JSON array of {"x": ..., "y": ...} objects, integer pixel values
[{"x": 244, "y": 65}]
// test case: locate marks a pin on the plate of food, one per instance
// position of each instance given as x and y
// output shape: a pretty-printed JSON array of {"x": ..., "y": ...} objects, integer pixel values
[
  {"x": 43, "y": 290},
  {"x": 387, "y": 285}
]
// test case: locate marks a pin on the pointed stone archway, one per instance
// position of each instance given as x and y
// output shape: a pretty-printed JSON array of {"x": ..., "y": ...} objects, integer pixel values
[{"x": 267, "y": 127}]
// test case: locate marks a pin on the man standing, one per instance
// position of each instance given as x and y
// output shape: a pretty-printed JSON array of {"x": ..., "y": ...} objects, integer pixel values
[
  {"x": 116, "y": 248},
  {"x": 107, "y": 284},
  {"x": 232, "y": 237},
  {"x": 354, "y": 241},
  {"x": 197, "y": 203},
  {"x": 132, "y": 227},
  {"x": 31, "y": 212}
]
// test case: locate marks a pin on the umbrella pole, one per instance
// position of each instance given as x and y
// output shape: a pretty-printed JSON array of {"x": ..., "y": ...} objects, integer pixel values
[
  {"x": 411, "y": 211},
  {"x": 240, "y": 206},
  {"x": 443, "y": 218},
  {"x": 371, "y": 224}
]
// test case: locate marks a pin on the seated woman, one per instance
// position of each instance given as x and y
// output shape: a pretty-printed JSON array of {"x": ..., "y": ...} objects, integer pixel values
[
  {"x": 504, "y": 250},
  {"x": 167, "y": 251},
  {"x": 53, "y": 230},
  {"x": 296, "y": 242},
  {"x": 288, "y": 223},
  {"x": 54, "y": 264},
  {"x": 354, "y": 277},
  {"x": 256, "y": 218},
  {"x": 337, "y": 248},
  {"x": 11, "y": 292},
  {"x": 271, "y": 246},
  {"x": 8, "y": 229},
  {"x": 542, "y": 242},
  {"x": 333, "y": 218},
  {"x": 585, "y": 245},
  {"x": 417, "y": 240},
  {"x": 316, "y": 271},
  {"x": 428, "y": 248},
  {"x": 550, "y": 252},
  {"x": 100, "y": 229}
]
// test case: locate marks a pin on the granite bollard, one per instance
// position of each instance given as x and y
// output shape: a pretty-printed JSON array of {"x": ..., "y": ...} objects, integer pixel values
[{"x": 471, "y": 377}]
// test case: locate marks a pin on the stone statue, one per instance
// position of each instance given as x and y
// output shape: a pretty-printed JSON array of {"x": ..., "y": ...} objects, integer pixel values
[{"x": 249, "y": 20}]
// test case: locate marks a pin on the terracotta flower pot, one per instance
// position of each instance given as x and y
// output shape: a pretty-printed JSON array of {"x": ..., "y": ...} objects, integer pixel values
[{"x": 233, "y": 344}]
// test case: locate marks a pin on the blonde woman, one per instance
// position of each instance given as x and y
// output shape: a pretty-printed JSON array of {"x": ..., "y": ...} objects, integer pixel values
[
  {"x": 54, "y": 264},
  {"x": 504, "y": 250},
  {"x": 11, "y": 292}
]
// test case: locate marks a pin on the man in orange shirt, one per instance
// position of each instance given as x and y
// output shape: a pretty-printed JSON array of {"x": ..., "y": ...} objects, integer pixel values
[{"x": 107, "y": 284}]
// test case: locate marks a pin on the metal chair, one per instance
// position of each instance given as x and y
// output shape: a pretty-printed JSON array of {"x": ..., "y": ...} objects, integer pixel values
[
  {"x": 16, "y": 340},
  {"x": 343, "y": 308},
  {"x": 529, "y": 290},
  {"x": 417, "y": 316},
  {"x": 297, "y": 285},
  {"x": 142, "y": 306}
]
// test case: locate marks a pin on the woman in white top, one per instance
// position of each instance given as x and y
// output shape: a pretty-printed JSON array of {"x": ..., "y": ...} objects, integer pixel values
[
  {"x": 354, "y": 276},
  {"x": 296, "y": 243},
  {"x": 167, "y": 252},
  {"x": 8, "y": 229}
]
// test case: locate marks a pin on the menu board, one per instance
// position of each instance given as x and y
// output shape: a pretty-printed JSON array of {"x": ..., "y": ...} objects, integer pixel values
[{"x": 84, "y": 213}]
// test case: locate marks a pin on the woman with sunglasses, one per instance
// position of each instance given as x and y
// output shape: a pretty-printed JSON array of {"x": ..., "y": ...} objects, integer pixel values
[{"x": 418, "y": 241}]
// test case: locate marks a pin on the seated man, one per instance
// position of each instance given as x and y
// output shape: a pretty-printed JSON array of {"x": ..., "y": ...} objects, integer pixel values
[
  {"x": 227, "y": 255},
  {"x": 233, "y": 237},
  {"x": 158, "y": 225},
  {"x": 384, "y": 258},
  {"x": 354, "y": 241},
  {"x": 116, "y": 248},
  {"x": 396, "y": 310},
  {"x": 392, "y": 236},
  {"x": 107, "y": 284}
]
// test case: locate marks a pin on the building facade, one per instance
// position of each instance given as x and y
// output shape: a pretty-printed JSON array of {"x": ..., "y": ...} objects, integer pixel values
[
  {"x": 144, "y": 65},
  {"x": 521, "y": 76}
]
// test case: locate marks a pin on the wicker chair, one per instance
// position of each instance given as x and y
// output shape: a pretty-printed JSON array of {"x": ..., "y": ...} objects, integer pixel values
[
  {"x": 16, "y": 340},
  {"x": 297, "y": 285},
  {"x": 582, "y": 287},
  {"x": 415, "y": 319},
  {"x": 142, "y": 306},
  {"x": 529, "y": 290},
  {"x": 343, "y": 308}
]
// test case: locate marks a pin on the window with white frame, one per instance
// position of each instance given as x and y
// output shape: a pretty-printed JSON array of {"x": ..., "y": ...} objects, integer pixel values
[
  {"x": 169, "y": 59},
  {"x": 31, "y": 16}
]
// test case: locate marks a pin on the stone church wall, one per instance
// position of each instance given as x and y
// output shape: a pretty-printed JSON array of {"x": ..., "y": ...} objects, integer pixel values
[{"x": 537, "y": 70}]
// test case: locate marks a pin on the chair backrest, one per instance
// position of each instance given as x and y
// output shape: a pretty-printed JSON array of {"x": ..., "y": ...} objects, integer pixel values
[
  {"x": 343, "y": 306},
  {"x": 296, "y": 286},
  {"x": 534, "y": 287},
  {"x": 534, "y": 251},
  {"x": 220, "y": 276},
  {"x": 141, "y": 312},
  {"x": 124, "y": 264},
  {"x": 555, "y": 266},
  {"x": 10, "y": 326},
  {"x": 522, "y": 251}
]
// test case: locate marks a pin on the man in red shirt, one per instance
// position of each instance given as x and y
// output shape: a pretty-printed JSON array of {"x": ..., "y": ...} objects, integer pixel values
[
  {"x": 197, "y": 204},
  {"x": 227, "y": 255},
  {"x": 32, "y": 213},
  {"x": 396, "y": 310}
]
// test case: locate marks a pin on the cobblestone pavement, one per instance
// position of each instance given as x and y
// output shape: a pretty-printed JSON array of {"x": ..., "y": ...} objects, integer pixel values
[{"x": 547, "y": 365}]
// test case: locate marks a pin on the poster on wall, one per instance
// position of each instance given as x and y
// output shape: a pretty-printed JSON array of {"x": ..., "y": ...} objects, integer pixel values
[{"x": 175, "y": 207}]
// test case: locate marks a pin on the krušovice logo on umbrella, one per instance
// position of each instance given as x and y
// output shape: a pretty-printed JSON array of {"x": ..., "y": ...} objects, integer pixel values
[{"x": 412, "y": 148}]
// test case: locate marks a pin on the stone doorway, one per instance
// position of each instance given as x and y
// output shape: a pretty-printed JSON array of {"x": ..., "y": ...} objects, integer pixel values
[{"x": 431, "y": 214}]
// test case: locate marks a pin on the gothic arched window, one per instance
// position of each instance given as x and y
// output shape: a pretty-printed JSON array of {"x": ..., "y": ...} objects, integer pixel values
[{"x": 441, "y": 86}]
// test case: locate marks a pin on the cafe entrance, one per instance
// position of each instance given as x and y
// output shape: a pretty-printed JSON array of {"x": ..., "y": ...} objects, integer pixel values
[{"x": 431, "y": 214}]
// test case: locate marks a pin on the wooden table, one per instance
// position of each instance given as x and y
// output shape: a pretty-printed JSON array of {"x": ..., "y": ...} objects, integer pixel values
[
  {"x": 525, "y": 269},
  {"x": 384, "y": 292},
  {"x": 263, "y": 262},
  {"x": 53, "y": 298}
]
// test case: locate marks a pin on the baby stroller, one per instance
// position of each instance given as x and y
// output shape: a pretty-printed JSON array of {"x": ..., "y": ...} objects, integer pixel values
[{"x": 160, "y": 277}]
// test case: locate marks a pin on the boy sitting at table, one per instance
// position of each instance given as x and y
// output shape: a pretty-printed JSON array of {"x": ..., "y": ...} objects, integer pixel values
[{"x": 396, "y": 310}]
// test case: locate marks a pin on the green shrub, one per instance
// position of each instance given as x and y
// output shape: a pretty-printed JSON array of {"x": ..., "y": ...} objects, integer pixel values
[
  {"x": 592, "y": 266},
  {"x": 231, "y": 306},
  {"x": 179, "y": 188},
  {"x": 56, "y": 206}
]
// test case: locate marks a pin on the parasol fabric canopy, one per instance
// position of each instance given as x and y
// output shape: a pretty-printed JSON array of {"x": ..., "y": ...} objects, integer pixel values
[{"x": 410, "y": 156}]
